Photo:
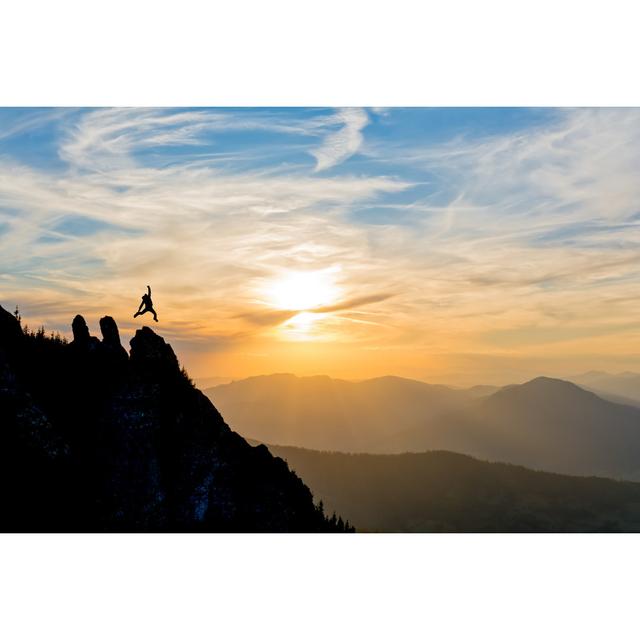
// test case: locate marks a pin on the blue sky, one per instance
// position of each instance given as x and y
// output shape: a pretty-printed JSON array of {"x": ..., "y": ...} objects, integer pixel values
[
  {"x": 272, "y": 139},
  {"x": 455, "y": 240}
]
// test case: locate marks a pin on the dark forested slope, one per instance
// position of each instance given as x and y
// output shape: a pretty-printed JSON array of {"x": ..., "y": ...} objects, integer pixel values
[
  {"x": 92, "y": 439},
  {"x": 444, "y": 491}
]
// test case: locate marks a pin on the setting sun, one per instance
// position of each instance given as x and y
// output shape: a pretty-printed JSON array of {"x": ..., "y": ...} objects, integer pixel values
[{"x": 304, "y": 290}]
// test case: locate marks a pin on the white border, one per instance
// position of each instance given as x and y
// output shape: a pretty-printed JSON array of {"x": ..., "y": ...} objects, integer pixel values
[
  {"x": 317, "y": 587},
  {"x": 335, "y": 52}
]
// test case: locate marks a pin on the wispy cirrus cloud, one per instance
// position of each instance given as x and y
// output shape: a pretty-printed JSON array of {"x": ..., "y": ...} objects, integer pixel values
[
  {"x": 106, "y": 138},
  {"x": 342, "y": 144},
  {"x": 109, "y": 136}
]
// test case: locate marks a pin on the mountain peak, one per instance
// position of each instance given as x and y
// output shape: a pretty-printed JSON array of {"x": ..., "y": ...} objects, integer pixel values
[
  {"x": 151, "y": 355},
  {"x": 545, "y": 390},
  {"x": 548, "y": 382},
  {"x": 548, "y": 385}
]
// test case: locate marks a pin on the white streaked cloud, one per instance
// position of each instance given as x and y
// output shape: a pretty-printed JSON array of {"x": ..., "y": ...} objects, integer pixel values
[{"x": 340, "y": 145}]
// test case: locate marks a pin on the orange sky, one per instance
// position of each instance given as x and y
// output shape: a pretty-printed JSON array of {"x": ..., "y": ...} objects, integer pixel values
[{"x": 458, "y": 246}]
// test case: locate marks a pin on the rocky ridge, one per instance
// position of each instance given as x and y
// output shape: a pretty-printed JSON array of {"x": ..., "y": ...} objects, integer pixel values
[{"x": 95, "y": 439}]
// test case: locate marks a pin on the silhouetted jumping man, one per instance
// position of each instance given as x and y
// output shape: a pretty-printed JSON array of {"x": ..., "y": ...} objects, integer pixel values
[{"x": 147, "y": 303}]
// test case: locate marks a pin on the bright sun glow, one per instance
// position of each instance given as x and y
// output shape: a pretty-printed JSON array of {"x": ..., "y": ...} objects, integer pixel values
[
  {"x": 304, "y": 290},
  {"x": 300, "y": 327}
]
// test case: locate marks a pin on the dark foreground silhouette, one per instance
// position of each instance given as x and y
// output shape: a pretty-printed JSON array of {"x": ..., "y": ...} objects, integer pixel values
[
  {"x": 95, "y": 439},
  {"x": 146, "y": 305}
]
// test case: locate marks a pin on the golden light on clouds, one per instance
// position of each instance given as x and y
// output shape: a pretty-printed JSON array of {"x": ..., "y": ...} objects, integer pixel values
[{"x": 303, "y": 326}]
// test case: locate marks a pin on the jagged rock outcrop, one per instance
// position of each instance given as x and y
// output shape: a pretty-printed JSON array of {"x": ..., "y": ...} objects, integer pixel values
[
  {"x": 81, "y": 337},
  {"x": 80, "y": 330},
  {"x": 151, "y": 356},
  {"x": 92, "y": 439},
  {"x": 111, "y": 340},
  {"x": 110, "y": 333}
]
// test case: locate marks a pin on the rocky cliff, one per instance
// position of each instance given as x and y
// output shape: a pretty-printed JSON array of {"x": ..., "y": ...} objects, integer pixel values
[{"x": 95, "y": 439}]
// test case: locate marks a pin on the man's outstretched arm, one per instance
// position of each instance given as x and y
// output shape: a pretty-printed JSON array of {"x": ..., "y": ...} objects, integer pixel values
[{"x": 149, "y": 290}]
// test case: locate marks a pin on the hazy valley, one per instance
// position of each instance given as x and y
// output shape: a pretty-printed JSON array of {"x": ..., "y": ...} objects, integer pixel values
[{"x": 546, "y": 424}]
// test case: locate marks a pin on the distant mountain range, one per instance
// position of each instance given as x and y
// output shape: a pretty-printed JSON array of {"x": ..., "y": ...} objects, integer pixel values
[
  {"x": 320, "y": 412},
  {"x": 449, "y": 492},
  {"x": 481, "y": 390},
  {"x": 545, "y": 424},
  {"x": 618, "y": 387},
  {"x": 211, "y": 381}
]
